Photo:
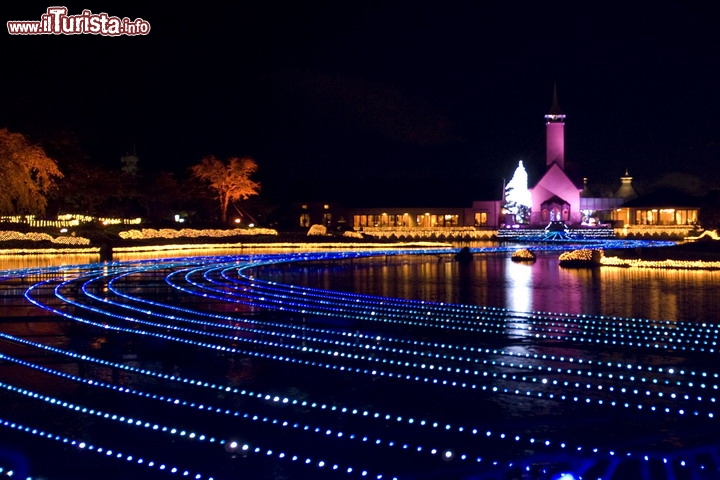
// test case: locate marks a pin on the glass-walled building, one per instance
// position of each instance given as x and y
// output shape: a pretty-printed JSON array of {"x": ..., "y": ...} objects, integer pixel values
[
  {"x": 407, "y": 218},
  {"x": 663, "y": 207}
]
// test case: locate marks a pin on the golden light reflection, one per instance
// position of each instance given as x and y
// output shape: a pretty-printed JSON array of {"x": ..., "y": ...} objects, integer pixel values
[
  {"x": 664, "y": 293},
  {"x": 18, "y": 262}
]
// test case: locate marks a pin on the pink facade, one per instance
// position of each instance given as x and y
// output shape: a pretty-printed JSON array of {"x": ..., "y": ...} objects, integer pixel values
[{"x": 555, "y": 197}]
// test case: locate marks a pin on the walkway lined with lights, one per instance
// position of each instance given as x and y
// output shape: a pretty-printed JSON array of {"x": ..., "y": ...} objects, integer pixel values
[{"x": 201, "y": 367}]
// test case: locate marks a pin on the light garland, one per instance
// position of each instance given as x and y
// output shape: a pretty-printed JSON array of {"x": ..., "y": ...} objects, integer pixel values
[
  {"x": 425, "y": 347},
  {"x": 317, "y": 231},
  {"x": 169, "y": 233},
  {"x": 7, "y": 236},
  {"x": 672, "y": 264},
  {"x": 655, "y": 231},
  {"x": 425, "y": 233}
]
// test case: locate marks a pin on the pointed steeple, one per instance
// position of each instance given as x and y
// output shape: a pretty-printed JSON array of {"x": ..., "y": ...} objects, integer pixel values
[
  {"x": 555, "y": 113},
  {"x": 626, "y": 190}
]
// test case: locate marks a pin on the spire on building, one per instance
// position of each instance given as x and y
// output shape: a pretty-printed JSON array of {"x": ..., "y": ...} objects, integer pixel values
[
  {"x": 555, "y": 134},
  {"x": 555, "y": 113},
  {"x": 626, "y": 190}
]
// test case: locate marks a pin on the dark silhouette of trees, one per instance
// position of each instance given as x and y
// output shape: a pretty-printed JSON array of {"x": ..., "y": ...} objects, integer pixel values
[
  {"x": 27, "y": 175},
  {"x": 85, "y": 189},
  {"x": 229, "y": 180},
  {"x": 161, "y": 194}
]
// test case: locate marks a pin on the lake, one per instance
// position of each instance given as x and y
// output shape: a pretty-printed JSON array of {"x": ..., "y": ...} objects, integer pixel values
[{"x": 343, "y": 365}]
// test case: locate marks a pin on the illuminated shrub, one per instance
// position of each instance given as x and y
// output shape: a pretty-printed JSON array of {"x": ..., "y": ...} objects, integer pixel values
[
  {"x": 169, "y": 233},
  {"x": 71, "y": 241},
  {"x": 41, "y": 237},
  {"x": 350, "y": 234},
  {"x": 317, "y": 230},
  {"x": 581, "y": 258},
  {"x": 523, "y": 254}
]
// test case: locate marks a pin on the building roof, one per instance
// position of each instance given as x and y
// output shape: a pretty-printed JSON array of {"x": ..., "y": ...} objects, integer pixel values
[{"x": 665, "y": 198}]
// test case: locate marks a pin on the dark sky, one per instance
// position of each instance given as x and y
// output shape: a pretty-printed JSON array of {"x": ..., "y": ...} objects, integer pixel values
[{"x": 406, "y": 103}]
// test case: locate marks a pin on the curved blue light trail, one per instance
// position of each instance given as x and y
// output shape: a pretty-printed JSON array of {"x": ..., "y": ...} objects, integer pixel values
[{"x": 200, "y": 368}]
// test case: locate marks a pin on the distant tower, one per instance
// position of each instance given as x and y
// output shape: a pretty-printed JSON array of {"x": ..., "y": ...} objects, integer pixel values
[
  {"x": 130, "y": 163},
  {"x": 555, "y": 134}
]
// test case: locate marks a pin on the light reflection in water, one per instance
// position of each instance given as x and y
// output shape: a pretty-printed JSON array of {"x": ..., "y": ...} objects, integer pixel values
[
  {"x": 519, "y": 294},
  {"x": 496, "y": 281},
  {"x": 18, "y": 262},
  {"x": 491, "y": 280}
]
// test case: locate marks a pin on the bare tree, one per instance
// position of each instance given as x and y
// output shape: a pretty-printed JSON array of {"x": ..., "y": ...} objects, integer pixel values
[
  {"x": 27, "y": 175},
  {"x": 230, "y": 180}
]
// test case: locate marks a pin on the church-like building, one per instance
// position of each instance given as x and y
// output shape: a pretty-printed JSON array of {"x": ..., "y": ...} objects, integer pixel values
[
  {"x": 558, "y": 196},
  {"x": 555, "y": 197}
]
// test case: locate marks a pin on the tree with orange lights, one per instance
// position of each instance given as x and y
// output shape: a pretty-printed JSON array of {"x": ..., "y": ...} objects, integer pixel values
[
  {"x": 27, "y": 175},
  {"x": 229, "y": 180}
]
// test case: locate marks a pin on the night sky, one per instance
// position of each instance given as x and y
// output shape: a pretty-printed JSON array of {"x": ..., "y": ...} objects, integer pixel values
[{"x": 380, "y": 103}]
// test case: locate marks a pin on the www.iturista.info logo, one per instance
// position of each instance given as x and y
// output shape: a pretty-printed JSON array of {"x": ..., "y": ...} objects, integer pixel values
[{"x": 56, "y": 21}]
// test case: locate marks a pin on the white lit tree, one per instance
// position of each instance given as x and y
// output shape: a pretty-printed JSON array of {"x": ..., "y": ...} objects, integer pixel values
[{"x": 518, "y": 199}]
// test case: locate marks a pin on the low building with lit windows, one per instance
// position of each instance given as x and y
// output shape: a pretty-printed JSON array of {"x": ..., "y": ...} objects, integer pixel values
[
  {"x": 407, "y": 217},
  {"x": 557, "y": 197},
  {"x": 663, "y": 207}
]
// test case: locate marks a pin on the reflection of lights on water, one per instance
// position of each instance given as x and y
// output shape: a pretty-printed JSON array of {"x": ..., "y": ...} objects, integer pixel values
[
  {"x": 596, "y": 328},
  {"x": 518, "y": 295},
  {"x": 565, "y": 476}
]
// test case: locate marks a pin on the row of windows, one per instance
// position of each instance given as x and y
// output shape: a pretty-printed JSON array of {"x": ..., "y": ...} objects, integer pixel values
[
  {"x": 305, "y": 219},
  {"x": 480, "y": 219},
  {"x": 666, "y": 217},
  {"x": 427, "y": 220}
]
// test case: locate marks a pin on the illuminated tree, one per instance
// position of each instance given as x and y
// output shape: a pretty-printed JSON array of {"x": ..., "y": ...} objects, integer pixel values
[
  {"x": 518, "y": 199},
  {"x": 27, "y": 175},
  {"x": 230, "y": 180}
]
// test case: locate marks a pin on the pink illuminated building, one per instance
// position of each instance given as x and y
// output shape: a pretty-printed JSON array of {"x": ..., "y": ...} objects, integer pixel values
[{"x": 555, "y": 197}]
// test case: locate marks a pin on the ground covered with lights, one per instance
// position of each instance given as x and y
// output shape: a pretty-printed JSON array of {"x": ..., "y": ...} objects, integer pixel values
[{"x": 201, "y": 368}]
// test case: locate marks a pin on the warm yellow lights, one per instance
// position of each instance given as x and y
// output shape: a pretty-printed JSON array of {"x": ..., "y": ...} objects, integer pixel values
[
  {"x": 294, "y": 246},
  {"x": 676, "y": 264},
  {"x": 584, "y": 255},
  {"x": 47, "y": 251},
  {"x": 169, "y": 233},
  {"x": 67, "y": 220},
  {"x": 522, "y": 254},
  {"x": 656, "y": 231},
  {"x": 6, "y": 236},
  {"x": 317, "y": 230},
  {"x": 430, "y": 232}
]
